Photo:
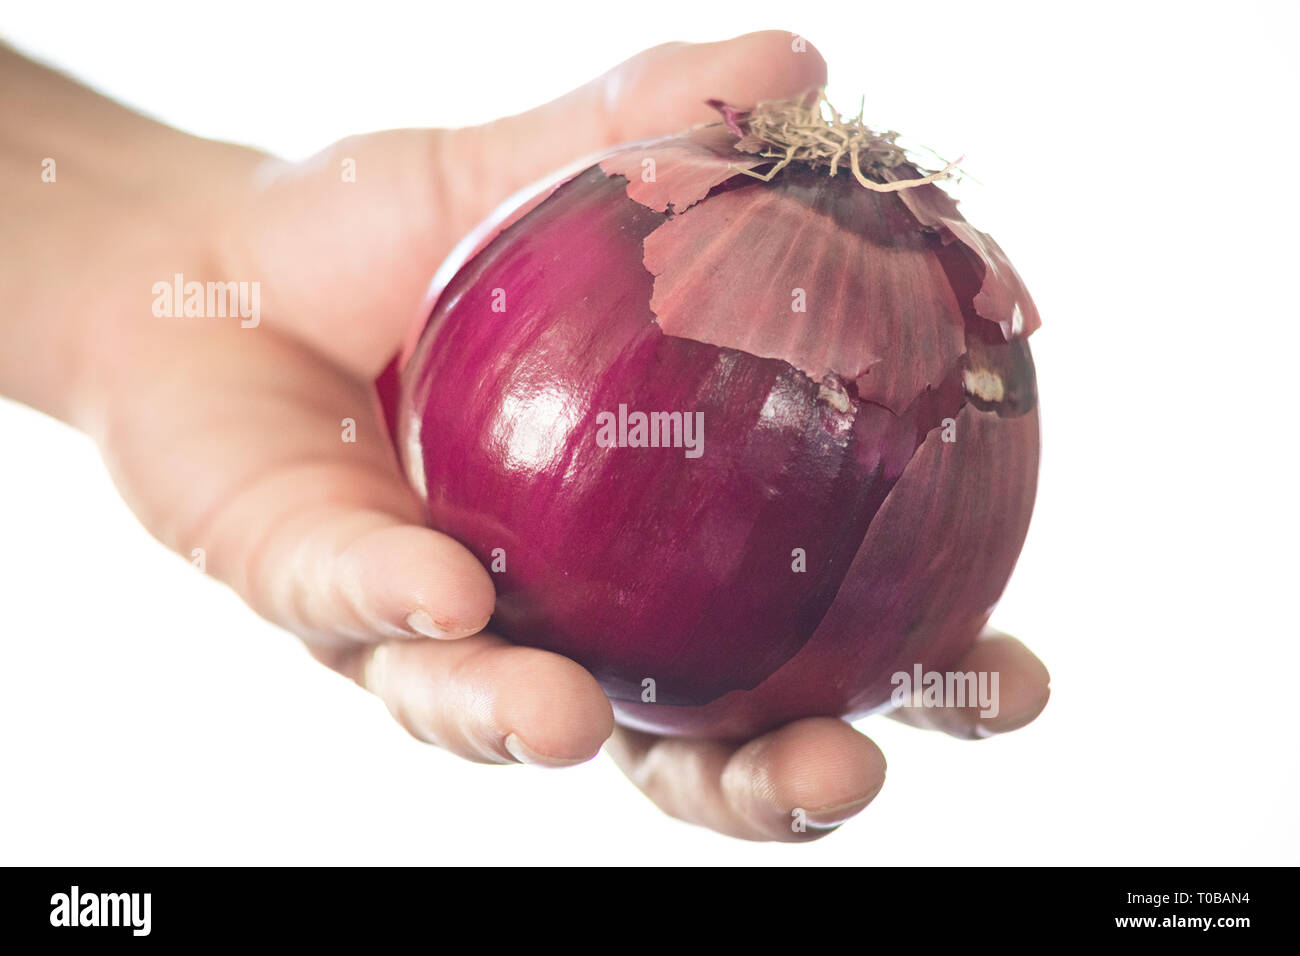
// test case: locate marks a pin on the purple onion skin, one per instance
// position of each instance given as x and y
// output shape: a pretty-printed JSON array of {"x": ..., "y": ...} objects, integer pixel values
[{"x": 645, "y": 564}]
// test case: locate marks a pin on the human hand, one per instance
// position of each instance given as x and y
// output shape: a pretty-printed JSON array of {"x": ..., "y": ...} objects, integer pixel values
[{"x": 229, "y": 441}]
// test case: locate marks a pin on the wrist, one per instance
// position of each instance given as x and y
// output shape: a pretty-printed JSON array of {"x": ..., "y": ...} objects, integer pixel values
[
  {"x": 100, "y": 204},
  {"x": 168, "y": 239}
]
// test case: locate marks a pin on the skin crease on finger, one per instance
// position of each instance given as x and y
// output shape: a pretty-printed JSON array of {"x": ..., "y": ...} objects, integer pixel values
[{"x": 225, "y": 440}]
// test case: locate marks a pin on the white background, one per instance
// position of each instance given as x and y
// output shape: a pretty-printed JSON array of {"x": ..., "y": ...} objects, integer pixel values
[{"x": 1137, "y": 163}]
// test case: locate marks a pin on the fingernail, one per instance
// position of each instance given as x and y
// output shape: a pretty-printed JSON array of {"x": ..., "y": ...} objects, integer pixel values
[
  {"x": 526, "y": 754},
  {"x": 421, "y": 622},
  {"x": 828, "y": 817}
]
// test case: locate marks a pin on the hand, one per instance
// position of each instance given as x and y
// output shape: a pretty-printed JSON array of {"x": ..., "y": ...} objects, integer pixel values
[{"x": 228, "y": 441}]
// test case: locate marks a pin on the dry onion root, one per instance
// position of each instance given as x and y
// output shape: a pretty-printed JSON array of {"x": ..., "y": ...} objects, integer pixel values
[{"x": 810, "y": 130}]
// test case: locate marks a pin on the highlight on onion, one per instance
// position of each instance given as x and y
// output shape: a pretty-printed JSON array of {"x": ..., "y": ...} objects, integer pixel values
[{"x": 742, "y": 420}]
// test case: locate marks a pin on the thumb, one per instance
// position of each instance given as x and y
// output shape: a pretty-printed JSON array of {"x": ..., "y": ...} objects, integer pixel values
[
  {"x": 348, "y": 262},
  {"x": 657, "y": 92}
]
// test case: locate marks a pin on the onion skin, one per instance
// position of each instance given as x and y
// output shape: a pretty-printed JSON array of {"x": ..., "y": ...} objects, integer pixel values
[{"x": 824, "y": 432}]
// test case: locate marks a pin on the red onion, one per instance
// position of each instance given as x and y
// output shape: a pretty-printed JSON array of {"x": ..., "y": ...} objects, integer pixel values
[{"x": 742, "y": 448}]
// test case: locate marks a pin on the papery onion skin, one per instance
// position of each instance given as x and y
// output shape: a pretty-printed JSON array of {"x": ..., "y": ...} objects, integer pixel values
[{"x": 824, "y": 434}]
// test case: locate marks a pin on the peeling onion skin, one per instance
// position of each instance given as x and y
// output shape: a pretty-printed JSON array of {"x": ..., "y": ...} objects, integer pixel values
[{"x": 823, "y": 431}]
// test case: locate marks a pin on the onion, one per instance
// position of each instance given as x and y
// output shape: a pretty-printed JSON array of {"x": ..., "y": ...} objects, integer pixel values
[{"x": 742, "y": 420}]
